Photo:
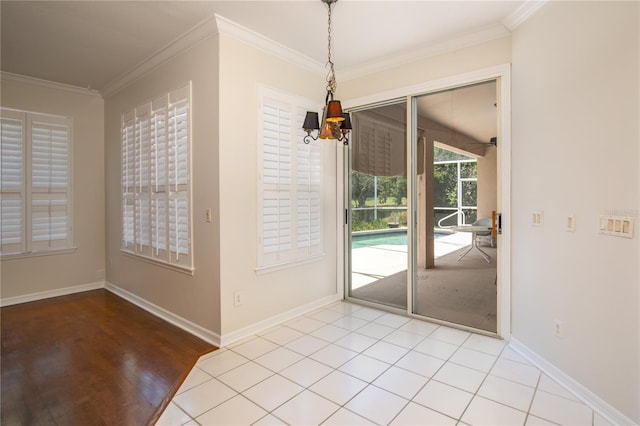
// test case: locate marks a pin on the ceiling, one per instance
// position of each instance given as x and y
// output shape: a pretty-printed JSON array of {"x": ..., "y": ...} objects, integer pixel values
[{"x": 93, "y": 44}]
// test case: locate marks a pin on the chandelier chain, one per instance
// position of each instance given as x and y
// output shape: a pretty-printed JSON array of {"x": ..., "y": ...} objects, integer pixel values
[{"x": 331, "y": 76}]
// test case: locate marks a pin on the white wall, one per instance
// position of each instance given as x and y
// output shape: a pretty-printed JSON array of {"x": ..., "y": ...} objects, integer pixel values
[
  {"x": 86, "y": 265},
  {"x": 575, "y": 150},
  {"x": 483, "y": 55},
  {"x": 194, "y": 298},
  {"x": 242, "y": 70}
]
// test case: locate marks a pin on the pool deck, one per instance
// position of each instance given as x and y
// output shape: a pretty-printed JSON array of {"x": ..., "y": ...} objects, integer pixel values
[{"x": 369, "y": 264}]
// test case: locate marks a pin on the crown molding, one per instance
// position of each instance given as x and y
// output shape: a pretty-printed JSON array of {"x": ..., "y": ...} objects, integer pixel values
[
  {"x": 238, "y": 32},
  {"x": 209, "y": 27},
  {"x": 7, "y": 76},
  {"x": 217, "y": 24},
  {"x": 202, "y": 31},
  {"x": 523, "y": 13},
  {"x": 486, "y": 34}
]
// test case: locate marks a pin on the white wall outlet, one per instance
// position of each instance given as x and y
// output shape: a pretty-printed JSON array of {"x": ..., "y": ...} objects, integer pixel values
[
  {"x": 238, "y": 298},
  {"x": 570, "y": 226},
  {"x": 537, "y": 218},
  {"x": 207, "y": 215},
  {"x": 558, "y": 328}
]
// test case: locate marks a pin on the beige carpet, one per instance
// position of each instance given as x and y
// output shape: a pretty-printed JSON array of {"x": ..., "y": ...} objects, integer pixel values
[{"x": 461, "y": 292}]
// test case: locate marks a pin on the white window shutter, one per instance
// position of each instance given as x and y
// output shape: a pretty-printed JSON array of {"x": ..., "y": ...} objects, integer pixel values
[
  {"x": 128, "y": 179},
  {"x": 290, "y": 207},
  {"x": 308, "y": 187},
  {"x": 277, "y": 183},
  {"x": 178, "y": 137},
  {"x": 11, "y": 180},
  {"x": 50, "y": 203},
  {"x": 35, "y": 175},
  {"x": 159, "y": 144},
  {"x": 156, "y": 201},
  {"x": 142, "y": 190},
  {"x": 159, "y": 220}
]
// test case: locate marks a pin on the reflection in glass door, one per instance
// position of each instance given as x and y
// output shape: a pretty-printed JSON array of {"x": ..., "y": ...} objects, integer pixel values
[
  {"x": 378, "y": 206},
  {"x": 456, "y": 186},
  {"x": 453, "y": 244}
]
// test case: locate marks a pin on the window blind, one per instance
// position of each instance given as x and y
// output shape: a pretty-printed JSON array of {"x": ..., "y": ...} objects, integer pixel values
[
  {"x": 36, "y": 182},
  {"x": 11, "y": 174},
  {"x": 290, "y": 208},
  {"x": 155, "y": 179}
]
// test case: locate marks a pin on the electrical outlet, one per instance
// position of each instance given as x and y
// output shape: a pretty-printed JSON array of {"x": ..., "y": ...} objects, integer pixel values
[
  {"x": 558, "y": 328},
  {"x": 238, "y": 298},
  {"x": 537, "y": 218},
  {"x": 571, "y": 223}
]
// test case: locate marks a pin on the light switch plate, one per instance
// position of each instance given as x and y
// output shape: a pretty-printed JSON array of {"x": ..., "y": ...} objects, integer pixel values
[{"x": 618, "y": 226}]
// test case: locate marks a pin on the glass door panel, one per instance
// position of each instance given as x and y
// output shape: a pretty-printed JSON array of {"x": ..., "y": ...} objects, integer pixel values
[
  {"x": 456, "y": 275},
  {"x": 378, "y": 206}
]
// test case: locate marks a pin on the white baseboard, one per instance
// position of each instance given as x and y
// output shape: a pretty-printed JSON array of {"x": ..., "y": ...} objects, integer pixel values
[
  {"x": 170, "y": 317},
  {"x": 600, "y": 406},
  {"x": 253, "y": 329},
  {"x": 32, "y": 297}
]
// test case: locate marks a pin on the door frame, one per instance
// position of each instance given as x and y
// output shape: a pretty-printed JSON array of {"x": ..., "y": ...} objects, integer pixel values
[{"x": 502, "y": 75}]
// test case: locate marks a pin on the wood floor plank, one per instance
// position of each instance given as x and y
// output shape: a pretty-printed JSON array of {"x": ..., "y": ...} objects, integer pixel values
[{"x": 90, "y": 358}]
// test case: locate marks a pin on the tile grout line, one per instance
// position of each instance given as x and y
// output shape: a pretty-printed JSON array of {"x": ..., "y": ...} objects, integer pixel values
[{"x": 369, "y": 382}]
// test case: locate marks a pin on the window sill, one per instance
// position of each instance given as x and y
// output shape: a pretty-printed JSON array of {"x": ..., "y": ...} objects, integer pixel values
[
  {"x": 157, "y": 262},
  {"x": 260, "y": 270},
  {"x": 26, "y": 255}
]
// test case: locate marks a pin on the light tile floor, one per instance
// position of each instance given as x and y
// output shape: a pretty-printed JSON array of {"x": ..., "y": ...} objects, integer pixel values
[{"x": 347, "y": 364}]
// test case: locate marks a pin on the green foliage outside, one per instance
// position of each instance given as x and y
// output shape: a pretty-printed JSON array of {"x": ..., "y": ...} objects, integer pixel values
[
  {"x": 392, "y": 192},
  {"x": 369, "y": 225}
]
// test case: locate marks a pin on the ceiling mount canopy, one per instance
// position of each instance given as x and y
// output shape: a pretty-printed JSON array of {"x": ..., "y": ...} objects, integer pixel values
[{"x": 336, "y": 124}]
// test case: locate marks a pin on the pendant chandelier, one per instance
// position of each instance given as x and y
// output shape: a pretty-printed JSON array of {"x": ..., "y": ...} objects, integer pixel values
[{"x": 335, "y": 123}]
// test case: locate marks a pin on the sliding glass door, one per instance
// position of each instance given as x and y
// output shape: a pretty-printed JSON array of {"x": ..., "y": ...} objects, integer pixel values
[
  {"x": 456, "y": 200},
  {"x": 378, "y": 206},
  {"x": 422, "y": 202}
]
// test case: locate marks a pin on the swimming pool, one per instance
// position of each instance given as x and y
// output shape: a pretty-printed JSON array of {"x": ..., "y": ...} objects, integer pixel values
[
  {"x": 378, "y": 239},
  {"x": 392, "y": 238}
]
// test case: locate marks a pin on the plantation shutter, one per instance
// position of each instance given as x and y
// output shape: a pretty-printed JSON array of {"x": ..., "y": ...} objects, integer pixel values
[
  {"x": 50, "y": 204},
  {"x": 277, "y": 175},
  {"x": 128, "y": 180},
  {"x": 290, "y": 175},
  {"x": 35, "y": 180},
  {"x": 159, "y": 205},
  {"x": 12, "y": 133},
  {"x": 155, "y": 174},
  {"x": 178, "y": 175},
  {"x": 308, "y": 186},
  {"x": 142, "y": 155}
]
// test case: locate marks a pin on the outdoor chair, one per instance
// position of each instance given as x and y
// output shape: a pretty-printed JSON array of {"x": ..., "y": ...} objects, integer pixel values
[{"x": 484, "y": 237}]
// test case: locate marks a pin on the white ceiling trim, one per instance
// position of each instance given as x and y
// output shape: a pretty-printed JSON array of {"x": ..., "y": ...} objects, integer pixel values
[
  {"x": 203, "y": 30},
  {"x": 523, "y": 13},
  {"x": 211, "y": 26},
  {"x": 237, "y": 31},
  {"x": 487, "y": 34},
  {"x": 7, "y": 76},
  {"x": 215, "y": 24}
]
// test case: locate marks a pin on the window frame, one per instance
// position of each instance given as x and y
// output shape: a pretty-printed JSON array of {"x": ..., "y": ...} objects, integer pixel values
[
  {"x": 27, "y": 247},
  {"x": 303, "y": 249},
  {"x": 156, "y": 126}
]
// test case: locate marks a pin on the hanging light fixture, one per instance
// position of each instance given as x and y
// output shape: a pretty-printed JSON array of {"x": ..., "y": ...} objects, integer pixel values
[{"x": 336, "y": 124}]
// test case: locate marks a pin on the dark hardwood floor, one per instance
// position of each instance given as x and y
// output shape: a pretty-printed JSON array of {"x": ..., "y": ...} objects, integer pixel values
[{"x": 90, "y": 358}]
